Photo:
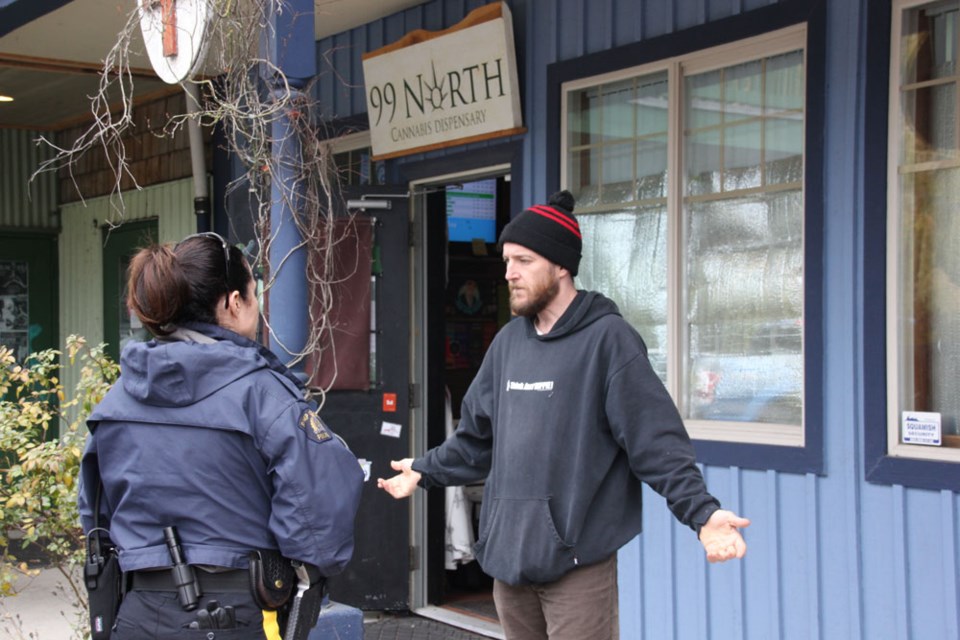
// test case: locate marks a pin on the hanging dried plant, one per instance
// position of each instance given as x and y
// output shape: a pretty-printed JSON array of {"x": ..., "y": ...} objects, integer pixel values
[{"x": 244, "y": 94}]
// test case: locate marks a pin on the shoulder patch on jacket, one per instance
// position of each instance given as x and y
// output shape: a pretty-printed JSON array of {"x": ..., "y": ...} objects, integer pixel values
[{"x": 311, "y": 423}]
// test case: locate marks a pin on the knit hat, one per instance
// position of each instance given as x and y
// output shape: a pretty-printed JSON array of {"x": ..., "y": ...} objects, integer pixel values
[{"x": 549, "y": 229}]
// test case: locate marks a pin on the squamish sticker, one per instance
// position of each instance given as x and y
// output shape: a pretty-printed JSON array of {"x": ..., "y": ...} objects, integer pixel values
[{"x": 311, "y": 423}]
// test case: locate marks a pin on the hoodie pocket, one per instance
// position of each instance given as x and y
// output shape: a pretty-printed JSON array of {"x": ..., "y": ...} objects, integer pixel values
[{"x": 519, "y": 543}]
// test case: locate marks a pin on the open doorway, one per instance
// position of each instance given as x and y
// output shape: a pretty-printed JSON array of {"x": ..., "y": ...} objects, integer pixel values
[{"x": 466, "y": 304}]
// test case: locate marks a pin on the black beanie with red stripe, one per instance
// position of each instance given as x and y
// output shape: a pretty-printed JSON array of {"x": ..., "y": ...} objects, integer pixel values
[{"x": 549, "y": 229}]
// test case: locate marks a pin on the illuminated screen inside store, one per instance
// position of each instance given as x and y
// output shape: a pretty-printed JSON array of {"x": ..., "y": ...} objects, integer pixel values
[{"x": 472, "y": 211}]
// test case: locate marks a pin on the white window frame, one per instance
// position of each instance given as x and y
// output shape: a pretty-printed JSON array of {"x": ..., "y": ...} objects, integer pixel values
[
  {"x": 895, "y": 347},
  {"x": 349, "y": 142},
  {"x": 791, "y": 38}
]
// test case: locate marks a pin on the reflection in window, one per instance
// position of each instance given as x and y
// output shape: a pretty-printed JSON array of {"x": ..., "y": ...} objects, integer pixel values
[
  {"x": 617, "y": 143},
  {"x": 617, "y": 170},
  {"x": 737, "y": 199},
  {"x": 925, "y": 218},
  {"x": 743, "y": 210},
  {"x": 625, "y": 257}
]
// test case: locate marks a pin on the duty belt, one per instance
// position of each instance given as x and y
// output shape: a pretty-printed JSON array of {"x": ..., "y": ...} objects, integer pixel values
[{"x": 233, "y": 580}]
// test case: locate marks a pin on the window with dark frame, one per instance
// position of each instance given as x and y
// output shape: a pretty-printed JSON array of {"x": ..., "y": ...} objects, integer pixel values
[
  {"x": 923, "y": 292},
  {"x": 721, "y": 214}
]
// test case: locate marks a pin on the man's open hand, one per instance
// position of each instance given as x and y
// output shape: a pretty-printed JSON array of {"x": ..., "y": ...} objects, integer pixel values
[
  {"x": 721, "y": 537},
  {"x": 403, "y": 484}
]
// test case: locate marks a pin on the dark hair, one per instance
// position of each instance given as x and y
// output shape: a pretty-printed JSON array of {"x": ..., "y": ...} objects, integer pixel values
[{"x": 172, "y": 284}]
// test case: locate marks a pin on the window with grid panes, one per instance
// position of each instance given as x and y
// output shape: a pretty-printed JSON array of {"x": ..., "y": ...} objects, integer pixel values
[
  {"x": 357, "y": 167},
  {"x": 688, "y": 176},
  {"x": 923, "y": 232}
]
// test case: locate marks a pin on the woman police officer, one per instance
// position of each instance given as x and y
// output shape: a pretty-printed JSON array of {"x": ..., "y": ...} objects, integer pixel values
[{"x": 207, "y": 432}]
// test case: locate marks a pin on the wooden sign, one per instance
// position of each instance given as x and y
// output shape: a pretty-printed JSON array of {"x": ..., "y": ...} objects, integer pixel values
[{"x": 437, "y": 89}]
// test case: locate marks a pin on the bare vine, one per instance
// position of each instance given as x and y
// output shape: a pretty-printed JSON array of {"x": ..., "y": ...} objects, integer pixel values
[{"x": 243, "y": 94}]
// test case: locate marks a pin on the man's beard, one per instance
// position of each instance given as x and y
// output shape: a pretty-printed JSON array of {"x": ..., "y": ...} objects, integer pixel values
[{"x": 539, "y": 298}]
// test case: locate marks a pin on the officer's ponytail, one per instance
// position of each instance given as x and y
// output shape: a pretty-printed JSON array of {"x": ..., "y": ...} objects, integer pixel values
[
  {"x": 157, "y": 288},
  {"x": 171, "y": 284}
]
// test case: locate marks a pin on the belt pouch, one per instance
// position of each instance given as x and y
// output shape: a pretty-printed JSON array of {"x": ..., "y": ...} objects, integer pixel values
[
  {"x": 272, "y": 579},
  {"x": 104, "y": 582}
]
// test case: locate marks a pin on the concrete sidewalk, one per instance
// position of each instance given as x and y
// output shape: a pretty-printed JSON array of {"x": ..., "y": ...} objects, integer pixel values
[
  {"x": 43, "y": 609},
  {"x": 412, "y": 627}
]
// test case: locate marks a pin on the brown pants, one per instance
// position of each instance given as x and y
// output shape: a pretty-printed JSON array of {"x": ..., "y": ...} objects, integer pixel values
[{"x": 580, "y": 605}]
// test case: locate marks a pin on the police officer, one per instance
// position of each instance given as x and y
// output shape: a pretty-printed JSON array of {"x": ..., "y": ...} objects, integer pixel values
[{"x": 208, "y": 436}]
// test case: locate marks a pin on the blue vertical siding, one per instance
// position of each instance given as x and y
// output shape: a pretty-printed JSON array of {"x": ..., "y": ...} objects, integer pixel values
[
  {"x": 432, "y": 16},
  {"x": 598, "y": 26},
  {"x": 342, "y": 54},
  {"x": 811, "y": 569},
  {"x": 359, "y": 43},
  {"x": 951, "y": 566},
  {"x": 326, "y": 77},
  {"x": 627, "y": 24},
  {"x": 571, "y": 22},
  {"x": 831, "y": 556},
  {"x": 841, "y": 524},
  {"x": 542, "y": 49},
  {"x": 717, "y": 10},
  {"x": 659, "y": 18},
  {"x": 689, "y": 13},
  {"x": 878, "y": 575}
]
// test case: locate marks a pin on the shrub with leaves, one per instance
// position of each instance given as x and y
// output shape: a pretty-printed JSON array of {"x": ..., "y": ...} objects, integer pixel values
[{"x": 42, "y": 434}]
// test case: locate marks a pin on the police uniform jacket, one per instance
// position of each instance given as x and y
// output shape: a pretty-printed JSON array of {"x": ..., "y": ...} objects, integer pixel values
[{"x": 213, "y": 435}]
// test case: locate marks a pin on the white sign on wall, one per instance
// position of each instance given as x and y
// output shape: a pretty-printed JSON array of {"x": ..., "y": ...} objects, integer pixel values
[
  {"x": 437, "y": 89},
  {"x": 921, "y": 427}
]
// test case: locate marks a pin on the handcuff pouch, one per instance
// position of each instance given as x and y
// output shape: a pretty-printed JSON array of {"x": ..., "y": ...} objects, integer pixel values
[{"x": 272, "y": 579}]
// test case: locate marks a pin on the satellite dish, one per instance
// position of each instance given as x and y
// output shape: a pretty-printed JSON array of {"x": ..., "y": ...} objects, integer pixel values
[{"x": 174, "y": 32}]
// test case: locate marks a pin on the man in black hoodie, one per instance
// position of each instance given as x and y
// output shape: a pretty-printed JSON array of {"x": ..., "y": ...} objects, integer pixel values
[{"x": 565, "y": 419}]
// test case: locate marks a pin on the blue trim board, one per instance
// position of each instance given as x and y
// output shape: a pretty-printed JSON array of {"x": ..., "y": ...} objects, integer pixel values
[
  {"x": 21, "y": 12},
  {"x": 809, "y": 458},
  {"x": 813, "y": 324},
  {"x": 880, "y": 468}
]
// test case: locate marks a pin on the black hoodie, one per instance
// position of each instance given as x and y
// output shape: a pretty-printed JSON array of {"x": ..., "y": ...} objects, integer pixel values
[{"x": 564, "y": 427}]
